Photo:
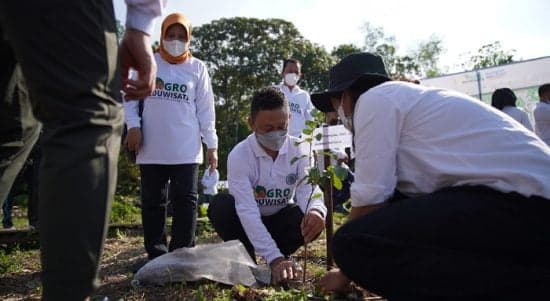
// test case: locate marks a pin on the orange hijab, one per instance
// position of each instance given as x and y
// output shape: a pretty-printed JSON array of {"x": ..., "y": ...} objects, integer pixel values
[{"x": 175, "y": 18}]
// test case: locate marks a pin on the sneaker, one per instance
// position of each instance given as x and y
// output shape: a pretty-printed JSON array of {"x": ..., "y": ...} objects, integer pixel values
[{"x": 9, "y": 228}]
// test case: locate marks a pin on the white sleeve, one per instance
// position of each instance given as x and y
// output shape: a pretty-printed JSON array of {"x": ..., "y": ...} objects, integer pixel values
[
  {"x": 308, "y": 108},
  {"x": 131, "y": 114},
  {"x": 525, "y": 121},
  {"x": 304, "y": 190},
  {"x": 240, "y": 187},
  {"x": 206, "y": 113},
  {"x": 377, "y": 135},
  {"x": 141, "y": 14}
]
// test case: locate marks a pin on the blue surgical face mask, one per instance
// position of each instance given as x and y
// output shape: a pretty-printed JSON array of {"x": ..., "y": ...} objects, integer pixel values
[{"x": 273, "y": 140}]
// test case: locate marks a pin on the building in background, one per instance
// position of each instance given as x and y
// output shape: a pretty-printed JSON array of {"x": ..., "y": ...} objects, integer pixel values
[{"x": 523, "y": 77}]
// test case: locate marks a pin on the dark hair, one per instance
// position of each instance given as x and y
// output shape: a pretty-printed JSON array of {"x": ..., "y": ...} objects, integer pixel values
[
  {"x": 503, "y": 97},
  {"x": 544, "y": 89},
  {"x": 291, "y": 60},
  {"x": 269, "y": 98}
]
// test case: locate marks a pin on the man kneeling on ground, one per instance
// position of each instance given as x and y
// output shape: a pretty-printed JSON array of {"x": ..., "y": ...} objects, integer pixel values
[{"x": 263, "y": 181}]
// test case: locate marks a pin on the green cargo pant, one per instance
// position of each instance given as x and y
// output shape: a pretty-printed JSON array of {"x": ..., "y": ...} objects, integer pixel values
[{"x": 68, "y": 55}]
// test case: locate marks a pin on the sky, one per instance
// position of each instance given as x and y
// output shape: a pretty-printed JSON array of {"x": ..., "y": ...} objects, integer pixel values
[{"x": 464, "y": 26}]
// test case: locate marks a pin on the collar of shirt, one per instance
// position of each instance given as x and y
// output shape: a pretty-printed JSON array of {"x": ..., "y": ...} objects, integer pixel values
[
  {"x": 295, "y": 89},
  {"x": 260, "y": 152}
]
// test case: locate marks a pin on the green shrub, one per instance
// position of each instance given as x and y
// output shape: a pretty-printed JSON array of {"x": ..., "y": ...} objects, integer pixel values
[{"x": 124, "y": 211}]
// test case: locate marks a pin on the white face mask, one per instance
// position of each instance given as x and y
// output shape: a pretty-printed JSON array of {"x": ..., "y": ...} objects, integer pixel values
[
  {"x": 346, "y": 120},
  {"x": 175, "y": 47},
  {"x": 291, "y": 79},
  {"x": 273, "y": 140}
]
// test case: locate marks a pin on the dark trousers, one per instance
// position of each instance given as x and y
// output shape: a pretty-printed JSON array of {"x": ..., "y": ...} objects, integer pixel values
[
  {"x": 183, "y": 196},
  {"x": 463, "y": 243},
  {"x": 68, "y": 56},
  {"x": 284, "y": 226},
  {"x": 7, "y": 207}
]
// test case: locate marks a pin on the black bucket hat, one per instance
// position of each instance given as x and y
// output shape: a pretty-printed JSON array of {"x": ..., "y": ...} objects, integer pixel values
[{"x": 364, "y": 66}]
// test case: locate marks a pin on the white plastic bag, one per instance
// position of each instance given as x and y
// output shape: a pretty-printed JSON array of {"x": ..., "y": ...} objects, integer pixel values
[{"x": 226, "y": 262}]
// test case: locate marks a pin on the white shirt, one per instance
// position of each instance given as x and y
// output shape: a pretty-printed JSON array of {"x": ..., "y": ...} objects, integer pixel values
[
  {"x": 542, "y": 121},
  {"x": 179, "y": 111},
  {"x": 141, "y": 14},
  {"x": 519, "y": 115},
  {"x": 262, "y": 187},
  {"x": 210, "y": 181},
  {"x": 300, "y": 109},
  {"x": 420, "y": 139}
]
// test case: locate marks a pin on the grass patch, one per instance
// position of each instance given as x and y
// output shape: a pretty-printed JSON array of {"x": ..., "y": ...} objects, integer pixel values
[{"x": 124, "y": 211}]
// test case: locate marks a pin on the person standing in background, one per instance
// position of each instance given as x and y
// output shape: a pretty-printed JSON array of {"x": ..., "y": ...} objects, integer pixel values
[
  {"x": 68, "y": 55},
  {"x": 504, "y": 99},
  {"x": 542, "y": 114},
  {"x": 298, "y": 99},
  {"x": 167, "y": 138}
]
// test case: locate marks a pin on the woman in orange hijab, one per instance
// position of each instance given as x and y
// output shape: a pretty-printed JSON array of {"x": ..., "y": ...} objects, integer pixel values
[{"x": 177, "y": 118}]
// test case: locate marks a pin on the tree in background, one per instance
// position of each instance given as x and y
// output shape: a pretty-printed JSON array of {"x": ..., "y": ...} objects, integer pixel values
[
  {"x": 245, "y": 54},
  {"x": 420, "y": 62},
  {"x": 427, "y": 56},
  {"x": 339, "y": 52},
  {"x": 489, "y": 55}
]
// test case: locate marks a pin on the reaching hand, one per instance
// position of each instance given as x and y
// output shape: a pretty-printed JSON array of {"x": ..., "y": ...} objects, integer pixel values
[
  {"x": 135, "y": 52},
  {"x": 334, "y": 281},
  {"x": 283, "y": 270},
  {"x": 312, "y": 224}
]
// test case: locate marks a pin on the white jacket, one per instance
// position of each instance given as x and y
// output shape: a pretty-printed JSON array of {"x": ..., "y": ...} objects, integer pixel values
[
  {"x": 262, "y": 187},
  {"x": 141, "y": 14},
  {"x": 177, "y": 114},
  {"x": 300, "y": 109},
  {"x": 519, "y": 115},
  {"x": 420, "y": 139},
  {"x": 542, "y": 121}
]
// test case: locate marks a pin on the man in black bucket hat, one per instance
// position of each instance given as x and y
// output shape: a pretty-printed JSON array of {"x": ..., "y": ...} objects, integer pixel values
[{"x": 451, "y": 197}]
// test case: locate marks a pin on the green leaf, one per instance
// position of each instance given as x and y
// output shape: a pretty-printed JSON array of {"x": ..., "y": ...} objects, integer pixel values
[
  {"x": 337, "y": 183},
  {"x": 317, "y": 195},
  {"x": 311, "y": 124},
  {"x": 314, "y": 175},
  {"x": 341, "y": 172},
  {"x": 307, "y": 131},
  {"x": 319, "y": 136},
  {"x": 296, "y": 159}
]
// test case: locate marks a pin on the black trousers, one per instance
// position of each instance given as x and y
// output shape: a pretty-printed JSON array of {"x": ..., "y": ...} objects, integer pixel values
[
  {"x": 462, "y": 243},
  {"x": 183, "y": 195},
  {"x": 68, "y": 56},
  {"x": 284, "y": 226}
]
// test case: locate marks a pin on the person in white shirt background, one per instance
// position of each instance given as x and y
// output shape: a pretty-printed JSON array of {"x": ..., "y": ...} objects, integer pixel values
[
  {"x": 504, "y": 99},
  {"x": 175, "y": 116},
  {"x": 209, "y": 183},
  {"x": 450, "y": 200},
  {"x": 339, "y": 158},
  {"x": 542, "y": 114},
  {"x": 298, "y": 99},
  {"x": 263, "y": 181}
]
